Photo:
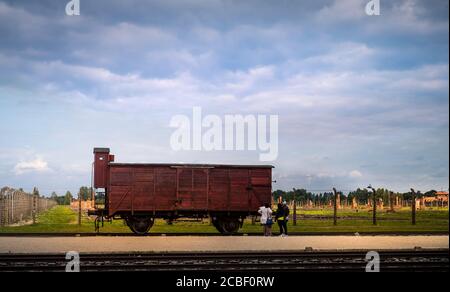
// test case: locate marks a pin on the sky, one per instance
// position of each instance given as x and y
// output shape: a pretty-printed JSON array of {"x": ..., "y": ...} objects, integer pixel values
[{"x": 360, "y": 99}]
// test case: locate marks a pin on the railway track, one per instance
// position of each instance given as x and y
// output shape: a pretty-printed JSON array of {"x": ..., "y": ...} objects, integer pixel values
[
  {"x": 311, "y": 261},
  {"x": 87, "y": 234}
]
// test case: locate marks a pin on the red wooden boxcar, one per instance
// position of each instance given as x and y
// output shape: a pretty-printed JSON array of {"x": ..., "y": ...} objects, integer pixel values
[{"x": 139, "y": 193}]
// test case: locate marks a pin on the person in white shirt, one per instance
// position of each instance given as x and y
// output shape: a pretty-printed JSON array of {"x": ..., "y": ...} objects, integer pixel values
[{"x": 266, "y": 219}]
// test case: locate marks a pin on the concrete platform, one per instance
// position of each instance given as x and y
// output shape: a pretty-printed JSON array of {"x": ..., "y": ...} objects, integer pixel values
[{"x": 215, "y": 243}]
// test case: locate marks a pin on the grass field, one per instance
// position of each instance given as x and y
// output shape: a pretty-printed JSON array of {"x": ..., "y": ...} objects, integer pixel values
[{"x": 63, "y": 219}]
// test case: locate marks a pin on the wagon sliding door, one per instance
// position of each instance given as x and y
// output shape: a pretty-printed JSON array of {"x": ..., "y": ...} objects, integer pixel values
[
  {"x": 218, "y": 189},
  {"x": 143, "y": 189},
  {"x": 238, "y": 198},
  {"x": 261, "y": 184},
  {"x": 165, "y": 188},
  {"x": 228, "y": 189},
  {"x": 192, "y": 186}
]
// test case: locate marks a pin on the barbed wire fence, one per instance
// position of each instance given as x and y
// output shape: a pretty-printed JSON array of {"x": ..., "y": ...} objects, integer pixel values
[{"x": 18, "y": 206}]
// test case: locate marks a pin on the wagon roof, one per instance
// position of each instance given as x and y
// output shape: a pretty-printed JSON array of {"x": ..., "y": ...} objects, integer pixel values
[{"x": 192, "y": 165}]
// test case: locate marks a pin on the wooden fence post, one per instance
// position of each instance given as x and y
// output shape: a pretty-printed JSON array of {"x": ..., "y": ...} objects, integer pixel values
[{"x": 335, "y": 207}]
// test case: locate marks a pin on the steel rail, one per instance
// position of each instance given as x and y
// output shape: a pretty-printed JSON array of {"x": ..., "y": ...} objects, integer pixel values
[{"x": 402, "y": 260}]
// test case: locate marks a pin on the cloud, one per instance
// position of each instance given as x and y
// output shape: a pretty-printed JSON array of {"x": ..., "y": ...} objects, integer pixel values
[
  {"x": 317, "y": 95},
  {"x": 411, "y": 16},
  {"x": 343, "y": 56},
  {"x": 241, "y": 82},
  {"x": 355, "y": 174},
  {"x": 397, "y": 17},
  {"x": 341, "y": 10},
  {"x": 36, "y": 165},
  {"x": 349, "y": 87}
]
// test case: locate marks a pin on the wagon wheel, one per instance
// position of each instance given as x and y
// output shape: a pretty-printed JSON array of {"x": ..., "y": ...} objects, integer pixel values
[
  {"x": 218, "y": 225},
  {"x": 229, "y": 225},
  {"x": 140, "y": 224}
]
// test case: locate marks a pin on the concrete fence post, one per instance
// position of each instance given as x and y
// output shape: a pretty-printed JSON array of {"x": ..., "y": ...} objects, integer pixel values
[
  {"x": 33, "y": 211},
  {"x": 79, "y": 209},
  {"x": 2, "y": 208},
  {"x": 413, "y": 207},
  {"x": 294, "y": 215},
  {"x": 335, "y": 206},
  {"x": 17, "y": 205}
]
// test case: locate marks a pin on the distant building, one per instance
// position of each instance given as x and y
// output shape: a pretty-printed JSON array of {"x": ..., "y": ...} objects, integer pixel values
[
  {"x": 439, "y": 200},
  {"x": 85, "y": 205}
]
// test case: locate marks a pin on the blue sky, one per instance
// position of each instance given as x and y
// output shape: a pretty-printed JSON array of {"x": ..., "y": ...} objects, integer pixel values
[{"x": 361, "y": 99}]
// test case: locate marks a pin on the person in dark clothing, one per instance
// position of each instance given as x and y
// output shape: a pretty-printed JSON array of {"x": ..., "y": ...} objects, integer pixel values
[
  {"x": 286, "y": 217},
  {"x": 280, "y": 217}
]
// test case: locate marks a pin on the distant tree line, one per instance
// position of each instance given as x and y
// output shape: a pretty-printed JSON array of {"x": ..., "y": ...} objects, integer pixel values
[
  {"x": 62, "y": 200},
  {"x": 84, "y": 192},
  {"x": 302, "y": 195},
  {"x": 362, "y": 196}
]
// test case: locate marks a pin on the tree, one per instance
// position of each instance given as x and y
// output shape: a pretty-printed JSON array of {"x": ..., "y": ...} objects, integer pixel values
[
  {"x": 85, "y": 193},
  {"x": 68, "y": 198},
  {"x": 360, "y": 195},
  {"x": 35, "y": 192},
  {"x": 430, "y": 193}
]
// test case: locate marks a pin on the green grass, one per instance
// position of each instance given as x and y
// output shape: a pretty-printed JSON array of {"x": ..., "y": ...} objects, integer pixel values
[
  {"x": 399, "y": 214},
  {"x": 63, "y": 219}
]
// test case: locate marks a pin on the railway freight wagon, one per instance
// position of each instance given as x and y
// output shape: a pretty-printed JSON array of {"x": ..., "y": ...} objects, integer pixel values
[{"x": 139, "y": 193}]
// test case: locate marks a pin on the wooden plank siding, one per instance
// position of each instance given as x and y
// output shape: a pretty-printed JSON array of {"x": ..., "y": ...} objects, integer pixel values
[{"x": 156, "y": 188}]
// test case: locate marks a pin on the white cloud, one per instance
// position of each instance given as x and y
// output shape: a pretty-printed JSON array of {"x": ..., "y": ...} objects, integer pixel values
[
  {"x": 331, "y": 74},
  {"x": 405, "y": 16},
  {"x": 34, "y": 26},
  {"x": 38, "y": 165},
  {"x": 248, "y": 80},
  {"x": 355, "y": 174},
  {"x": 408, "y": 16},
  {"x": 281, "y": 87},
  {"x": 341, "y": 10},
  {"x": 343, "y": 55}
]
